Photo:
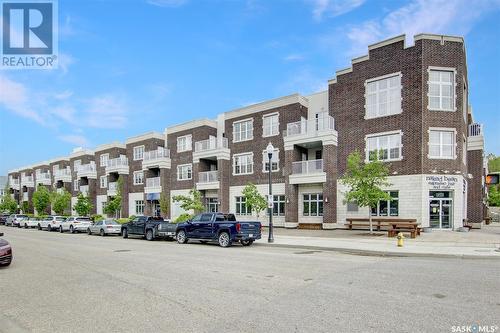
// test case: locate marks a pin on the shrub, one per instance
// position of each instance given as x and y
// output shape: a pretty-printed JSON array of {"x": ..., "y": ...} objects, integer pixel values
[
  {"x": 122, "y": 220},
  {"x": 97, "y": 217},
  {"x": 183, "y": 218}
]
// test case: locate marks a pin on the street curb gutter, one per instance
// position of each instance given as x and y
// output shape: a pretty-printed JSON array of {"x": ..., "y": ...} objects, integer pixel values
[{"x": 373, "y": 253}]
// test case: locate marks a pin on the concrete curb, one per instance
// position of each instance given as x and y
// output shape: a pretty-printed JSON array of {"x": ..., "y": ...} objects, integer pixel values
[{"x": 374, "y": 253}]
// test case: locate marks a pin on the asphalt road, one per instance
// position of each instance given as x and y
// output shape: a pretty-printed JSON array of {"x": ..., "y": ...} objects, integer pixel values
[{"x": 80, "y": 283}]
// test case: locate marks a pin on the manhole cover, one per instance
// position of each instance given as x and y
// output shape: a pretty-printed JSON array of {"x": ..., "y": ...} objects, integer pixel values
[
  {"x": 307, "y": 252},
  {"x": 121, "y": 250}
]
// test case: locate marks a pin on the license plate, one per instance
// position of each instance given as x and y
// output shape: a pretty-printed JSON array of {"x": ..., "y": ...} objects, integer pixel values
[{"x": 251, "y": 235}]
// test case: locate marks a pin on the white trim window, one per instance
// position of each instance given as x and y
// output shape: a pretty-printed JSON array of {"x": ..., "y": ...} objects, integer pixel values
[
  {"x": 442, "y": 144},
  {"x": 103, "y": 159},
  {"x": 312, "y": 204},
  {"x": 103, "y": 181},
  {"x": 243, "y": 130},
  {"x": 184, "y": 143},
  {"x": 184, "y": 172},
  {"x": 384, "y": 147},
  {"x": 385, "y": 207},
  {"x": 383, "y": 96},
  {"x": 278, "y": 205},
  {"x": 138, "y": 153},
  {"x": 243, "y": 164},
  {"x": 270, "y": 124},
  {"x": 138, "y": 177},
  {"x": 241, "y": 206},
  {"x": 275, "y": 161},
  {"x": 139, "y": 207},
  {"x": 76, "y": 183},
  {"x": 441, "y": 89}
]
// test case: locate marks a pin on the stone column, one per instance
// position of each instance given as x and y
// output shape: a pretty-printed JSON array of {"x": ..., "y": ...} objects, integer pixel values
[
  {"x": 224, "y": 168},
  {"x": 475, "y": 195},
  {"x": 291, "y": 190},
  {"x": 330, "y": 186}
]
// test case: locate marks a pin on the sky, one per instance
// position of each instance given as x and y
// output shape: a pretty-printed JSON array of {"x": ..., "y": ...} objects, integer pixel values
[{"x": 129, "y": 67}]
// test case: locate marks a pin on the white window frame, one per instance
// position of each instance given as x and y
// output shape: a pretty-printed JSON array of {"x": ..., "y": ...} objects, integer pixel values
[
  {"x": 139, "y": 204},
  {"x": 189, "y": 172},
  {"x": 272, "y": 126},
  {"x": 454, "y": 143},
  {"x": 103, "y": 182},
  {"x": 138, "y": 152},
  {"x": 453, "y": 88},
  {"x": 377, "y": 93},
  {"x": 136, "y": 175},
  {"x": 76, "y": 184},
  {"x": 241, "y": 202},
  {"x": 388, "y": 202},
  {"x": 187, "y": 145},
  {"x": 236, "y": 157},
  {"x": 383, "y": 134},
  {"x": 103, "y": 159},
  {"x": 238, "y": 138},
  {"x": 275, "y": 159},
  {"x": 278, "y": 199},
  {"x": 317, "y": 201}
]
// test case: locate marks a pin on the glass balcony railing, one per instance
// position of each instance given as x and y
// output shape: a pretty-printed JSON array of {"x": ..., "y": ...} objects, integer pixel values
[{"x": 307, "y": 167}]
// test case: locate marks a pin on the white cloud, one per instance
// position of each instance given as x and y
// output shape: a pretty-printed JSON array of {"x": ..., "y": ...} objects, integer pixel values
[
  {"x": 420, "y": 16},
  {"x": 303, "y": 81},
  {"x": 333, "y": 8},
  {"x": 167, "y": 3},
  {"x": 65, "y": 60},
  {"x": 77, "y": 140},
  {"x": 63, "y": 95},
  {"x": 294, "y": 57},
  {"x": 14, "y": 96},
  {"x": 107, "y": 111}
]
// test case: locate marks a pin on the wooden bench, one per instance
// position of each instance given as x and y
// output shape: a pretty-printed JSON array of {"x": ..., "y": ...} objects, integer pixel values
[
  {"x": 363, "y": 222},
  {"x": 396, "y": 227}
]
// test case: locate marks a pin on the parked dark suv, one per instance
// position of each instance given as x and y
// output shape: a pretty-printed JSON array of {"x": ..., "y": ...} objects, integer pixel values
[{"x": 149, "y": 227}]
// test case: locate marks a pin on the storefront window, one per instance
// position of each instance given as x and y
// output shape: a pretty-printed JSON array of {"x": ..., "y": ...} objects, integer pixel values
[
  {"x": 313, "y": 204},
  {"x": 388, "y": 207}
]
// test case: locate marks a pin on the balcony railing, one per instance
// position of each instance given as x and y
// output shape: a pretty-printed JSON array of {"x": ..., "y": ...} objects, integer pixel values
[
  {"x": 62, "y": 172},
  {"x": 210, "y": 144},
  {"x": 311, "y": 126},
  {"x": 208, "y": 176},
  {"x": 27, "y": 179},
  {"x": 117, "y": 162},
  {"x": 153, "y": 182},
  {"x": 90, "y": 167},
  {"x": 14, "y": 181},
  {"x": 43, "y": 176},
  {"x": 112, "y": 186},
  {"x": 156, "y": 154},
  {"x": 475, "y": 129},
  {"x": 307, "y": 167}
]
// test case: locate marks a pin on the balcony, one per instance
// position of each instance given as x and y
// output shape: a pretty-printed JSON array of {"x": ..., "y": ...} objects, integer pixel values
[
  {"x": 87, "y": 170},
  {"x": 84, "y": 189},
  {"x": 153, "y": 185},
  {"x": 307, "y": 172},
  {"x": 321, "y": 129},
  {"x": 112, "y": 189},
  {"x": 117, "y": 165},
  {"x": 159, "y": 158},
  {"x": 14, "y": 183},
  {"x": 63, "y": 175},
  {"x": 211, "y": 148},
  {"x": 25, "y": 196},
  {"x": 475, "y": 138},
  {"x": 208, "y": 180},
  {"x": 43, "y": 178},
  {"x": 27, "y": 181}
]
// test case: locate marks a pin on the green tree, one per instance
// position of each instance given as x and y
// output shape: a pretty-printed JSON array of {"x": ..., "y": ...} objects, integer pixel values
[
  {"x": 164, "y": 205},
  {"x": 8, "y": 204},
  {"x": 25, "y": 207},
  {"x": 494, "y": 195},
  {"x": 364, "y": 182},
  {"x": 114, "y": 206},
  {"x": 61, "y": 202},
  {"x": 190, "y": 203},
  {"x": 83, "y": 206},
  {"x": 493, "y": 163},
  {"x": 41, "y": 199},
  {"x": 253, "y": 199}
]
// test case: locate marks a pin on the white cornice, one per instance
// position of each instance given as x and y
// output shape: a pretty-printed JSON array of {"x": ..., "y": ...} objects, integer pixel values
[
  {"x": 145, "y": 136},
  {"x": 58, "y": 159},
  {"x": 82, "y": 152},
  {"x": 397, "y": 39},
  {"x": 267, "y": 105},
  {"x": 441, "y": 38},
  {"x": 190, "y": 125},
  {"x": 115, "y": 144}
]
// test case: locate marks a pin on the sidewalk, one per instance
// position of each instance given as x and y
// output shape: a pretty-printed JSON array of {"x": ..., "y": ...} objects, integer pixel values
[{"x": 480, "y": 243}]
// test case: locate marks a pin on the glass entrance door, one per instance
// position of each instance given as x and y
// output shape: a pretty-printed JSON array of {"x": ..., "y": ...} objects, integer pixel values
[{"x": 440, "y": 209}]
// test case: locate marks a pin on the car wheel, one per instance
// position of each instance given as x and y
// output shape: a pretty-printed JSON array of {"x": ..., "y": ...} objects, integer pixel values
[
  {"x": 124, "y": 233},
  {"x": 89, "y": 232},
  {"x": 224, "y": 239},
  {"x": 49, "y": 228},
  {"x": 60, "y": 229},
  {"x": 71, "y": 229},
  {"x": 247, "y": 242},
  {"x": 181, "y": 237},
  {"x": 102, "y": 233},
  {"x": 149, "y": 235}
]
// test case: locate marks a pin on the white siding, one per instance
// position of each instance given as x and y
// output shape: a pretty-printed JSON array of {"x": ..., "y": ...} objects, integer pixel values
[
  {"x": 99, "y": 200},
  {"x": 132, "y": 197}
]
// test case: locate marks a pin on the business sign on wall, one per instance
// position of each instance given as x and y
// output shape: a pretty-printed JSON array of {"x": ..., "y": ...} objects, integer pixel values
[{"x": 441, "y": 182}]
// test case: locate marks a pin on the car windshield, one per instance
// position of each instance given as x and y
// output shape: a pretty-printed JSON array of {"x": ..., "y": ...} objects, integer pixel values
[
  {"x": 60, "y": 218},
  {"x": 84, "y": 219},
  {"x": 112, "y": 222}
]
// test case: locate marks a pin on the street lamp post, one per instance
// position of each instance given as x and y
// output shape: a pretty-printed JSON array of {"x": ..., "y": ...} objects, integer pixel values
[{"x": 270, "y": 150}]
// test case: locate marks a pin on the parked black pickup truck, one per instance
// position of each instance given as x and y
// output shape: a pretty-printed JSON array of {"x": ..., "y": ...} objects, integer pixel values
[
  {"x": 218, "y": 227},
  {"x": 149, "y": 227}
]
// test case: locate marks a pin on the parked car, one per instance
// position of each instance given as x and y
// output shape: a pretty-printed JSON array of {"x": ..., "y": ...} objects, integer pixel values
[
  {"x": 150, "y": 227},
  {"x": 52, "y": 222},
  {"x": 105, "y": 227},
  {"x": 218, "y": 227},
  {"x": 30, "y": 222},
  {"x": 75, "y": 224},
  {"x": 5, "y": 252},
  {"x": 3, "y": 218},
  {"x": 15, "y": 219}
]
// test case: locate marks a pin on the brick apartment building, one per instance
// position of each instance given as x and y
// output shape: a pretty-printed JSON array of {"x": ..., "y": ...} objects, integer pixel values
[{"x": 405, "y": 105}]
